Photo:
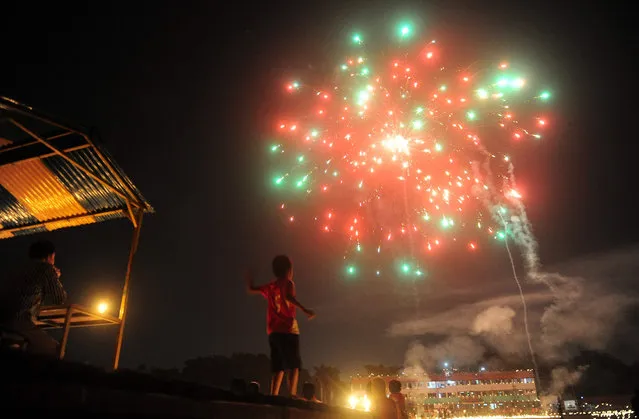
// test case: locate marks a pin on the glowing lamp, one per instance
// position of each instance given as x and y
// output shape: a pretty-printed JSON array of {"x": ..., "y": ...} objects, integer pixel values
[{"x": 102, "y": 307}]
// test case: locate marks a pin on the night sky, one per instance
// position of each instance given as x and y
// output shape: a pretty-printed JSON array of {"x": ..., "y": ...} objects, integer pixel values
[{"x": 183, "y": 96}]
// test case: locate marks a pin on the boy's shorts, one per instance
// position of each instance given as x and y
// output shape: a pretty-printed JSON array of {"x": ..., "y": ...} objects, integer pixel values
[{"x": 285, "y": 351}]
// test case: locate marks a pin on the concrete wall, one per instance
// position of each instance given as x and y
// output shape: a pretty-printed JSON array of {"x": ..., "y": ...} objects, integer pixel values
[
  {"x": 61, "y": 399},
  {"x": 61, "y": 389}
]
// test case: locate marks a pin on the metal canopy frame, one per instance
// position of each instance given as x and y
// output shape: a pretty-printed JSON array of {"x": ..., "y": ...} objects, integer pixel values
[{"x": 66, "y": 140}]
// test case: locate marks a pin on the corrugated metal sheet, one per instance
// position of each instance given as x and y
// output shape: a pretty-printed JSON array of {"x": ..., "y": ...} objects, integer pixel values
[
  {"x": 74, "y": 222},
  {"x": 123, "y": 176},
  {"x": 13, "y": 214},
  {"x": 39, "y": 191},
  {"x": 27, "y": 231},
  {"x": 92, "y": 195},
  {"x": 47, "y": 192}
]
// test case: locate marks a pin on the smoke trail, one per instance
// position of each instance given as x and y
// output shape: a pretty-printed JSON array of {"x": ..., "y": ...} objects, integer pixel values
[
  {"x": 565, "y": 291},
  {"x": 522, "y": 231},
  {"x": 507, "y": 209},
  {"x": 523, "y": 302}
]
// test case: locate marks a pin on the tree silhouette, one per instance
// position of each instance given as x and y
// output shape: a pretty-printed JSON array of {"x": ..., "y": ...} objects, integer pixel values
[
  {"x": 382, "y": 370},
  {"x": 330, "y": 387}
]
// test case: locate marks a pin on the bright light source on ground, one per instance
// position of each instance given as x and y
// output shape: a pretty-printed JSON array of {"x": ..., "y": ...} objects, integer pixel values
[{"x": 102, "y": 307}]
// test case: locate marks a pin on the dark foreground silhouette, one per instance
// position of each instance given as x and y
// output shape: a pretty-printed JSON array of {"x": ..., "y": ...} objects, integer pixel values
[{"x": 43, "y": 385}]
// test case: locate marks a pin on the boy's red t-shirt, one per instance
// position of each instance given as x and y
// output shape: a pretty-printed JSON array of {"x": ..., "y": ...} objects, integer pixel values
[{"x": 280, "y": 313}]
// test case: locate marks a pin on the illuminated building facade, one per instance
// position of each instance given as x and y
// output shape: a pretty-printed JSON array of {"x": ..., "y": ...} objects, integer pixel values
[{"x": 455, "y": 394}]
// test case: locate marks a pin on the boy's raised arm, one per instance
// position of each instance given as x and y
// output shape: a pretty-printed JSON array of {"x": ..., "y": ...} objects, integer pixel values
[{"x": 251, "y": 288}]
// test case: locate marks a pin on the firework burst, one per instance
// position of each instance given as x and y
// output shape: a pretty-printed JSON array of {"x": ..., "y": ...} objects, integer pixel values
[{"x": 401, "y": 156}]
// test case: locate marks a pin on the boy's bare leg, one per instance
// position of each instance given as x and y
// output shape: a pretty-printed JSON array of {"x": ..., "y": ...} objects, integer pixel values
[
  {"x": 276, "y": 382},
  {"x": 293, "y": 376}
]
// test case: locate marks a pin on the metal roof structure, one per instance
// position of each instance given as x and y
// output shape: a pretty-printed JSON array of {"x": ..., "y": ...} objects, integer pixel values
[{"x": 55, "y": 176}]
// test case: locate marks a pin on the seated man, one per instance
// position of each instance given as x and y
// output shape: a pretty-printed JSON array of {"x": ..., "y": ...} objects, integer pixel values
[{"x": 22, "y": 296}]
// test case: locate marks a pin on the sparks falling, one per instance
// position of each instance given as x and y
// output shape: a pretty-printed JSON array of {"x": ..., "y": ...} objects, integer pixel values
[{"x": 402, "y": 156}]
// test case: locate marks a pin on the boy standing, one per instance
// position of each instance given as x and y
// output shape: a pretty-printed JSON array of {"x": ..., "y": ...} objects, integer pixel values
[
  {"x": 395, "y": 388},
  {"x": 281, "y": 324}
]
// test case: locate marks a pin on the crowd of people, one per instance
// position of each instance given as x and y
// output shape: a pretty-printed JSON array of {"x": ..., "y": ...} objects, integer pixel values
[{"x": 392, "y": 406}]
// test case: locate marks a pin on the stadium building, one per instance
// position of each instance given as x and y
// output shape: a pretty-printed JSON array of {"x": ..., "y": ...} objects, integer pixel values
[{"x": 458, "y": 394}]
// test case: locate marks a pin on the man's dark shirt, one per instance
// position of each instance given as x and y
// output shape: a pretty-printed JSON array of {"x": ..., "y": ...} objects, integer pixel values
[{"x": 35, "y": 284}]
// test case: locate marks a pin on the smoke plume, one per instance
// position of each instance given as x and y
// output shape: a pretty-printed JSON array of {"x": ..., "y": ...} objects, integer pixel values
[
  {"x": 461, "y": 350},
  {"x": 495, "y": 320},
  {"x": 572, "y": 314},
  {"x": 562, "y": 377}
]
